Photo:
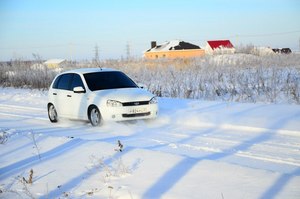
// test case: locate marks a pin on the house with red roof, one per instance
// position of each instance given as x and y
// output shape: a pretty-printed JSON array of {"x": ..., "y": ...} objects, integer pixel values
[
  {"x": 219, "y": 47},
  {"x": 173, "y": 49}
]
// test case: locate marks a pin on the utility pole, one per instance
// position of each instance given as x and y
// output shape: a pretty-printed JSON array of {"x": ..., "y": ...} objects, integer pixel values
[
  {"x": 299, "y": 44},
  {"x": 128, "y": 51},
  {"x": 96, "y": 58},
  {"x": 71, "y": 50}
]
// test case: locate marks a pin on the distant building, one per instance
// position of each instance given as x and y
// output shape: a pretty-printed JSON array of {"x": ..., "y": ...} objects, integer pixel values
[
  {"x": 282, "y": 50},
  {"x": 173, "y": 49},
  {"x": 54, "y": 63},
  {"x": 219, "y": 47},
  {"x": 262, "y": 51}
]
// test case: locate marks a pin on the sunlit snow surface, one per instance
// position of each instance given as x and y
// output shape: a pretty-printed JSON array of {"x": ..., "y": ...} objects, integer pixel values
[{"x": 194, "y": 149}]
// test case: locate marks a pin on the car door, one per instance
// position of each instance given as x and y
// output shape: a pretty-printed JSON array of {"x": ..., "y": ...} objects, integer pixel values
[
  {"x": 78, "y": 100},
  {"x": 63, "y": 95}
]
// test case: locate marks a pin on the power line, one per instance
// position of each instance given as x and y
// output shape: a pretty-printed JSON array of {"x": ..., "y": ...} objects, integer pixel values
[
  {"x": 128, "y": 46},
  {"x": 267, "y": 34}
]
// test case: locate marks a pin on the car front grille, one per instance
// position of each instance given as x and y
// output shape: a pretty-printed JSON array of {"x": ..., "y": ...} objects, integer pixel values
[
  {"x": 138, "y": 103},
  {"x": 136, "y": 115}
]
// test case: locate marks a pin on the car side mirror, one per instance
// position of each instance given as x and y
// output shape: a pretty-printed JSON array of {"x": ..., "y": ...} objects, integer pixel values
[
  {"x": 142, "y": 86},
  {"x": 78, "y": 89}
]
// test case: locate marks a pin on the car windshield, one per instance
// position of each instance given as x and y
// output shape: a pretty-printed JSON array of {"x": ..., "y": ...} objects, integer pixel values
[{"x": 108, "y": 80}]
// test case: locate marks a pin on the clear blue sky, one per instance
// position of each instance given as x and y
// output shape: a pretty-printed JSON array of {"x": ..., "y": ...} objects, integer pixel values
[{"x": 72, "y": 28}]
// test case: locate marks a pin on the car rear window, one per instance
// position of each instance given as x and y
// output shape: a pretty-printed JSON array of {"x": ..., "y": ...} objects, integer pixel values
[
  {"x": 64, "y": 81},
  {"x": 68, "y": 81},
  {"x": 108, "y": 80}
]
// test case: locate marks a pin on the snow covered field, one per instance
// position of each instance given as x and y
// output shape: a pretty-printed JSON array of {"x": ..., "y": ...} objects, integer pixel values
[{"x": 194, "y": 149}]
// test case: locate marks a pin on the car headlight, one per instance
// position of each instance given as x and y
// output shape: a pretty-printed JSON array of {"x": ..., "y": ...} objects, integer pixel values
[
  {"x": 153, "y": 100},
  {"x": 113, "y": 103}
]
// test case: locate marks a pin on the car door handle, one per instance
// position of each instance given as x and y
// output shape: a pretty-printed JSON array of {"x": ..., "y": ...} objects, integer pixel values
[
  {"x": 69, "y": 95},
  {"x": 54, "y": 93}
]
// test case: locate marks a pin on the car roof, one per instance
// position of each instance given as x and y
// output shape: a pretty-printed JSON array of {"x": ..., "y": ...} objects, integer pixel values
[{"x": 89, "y": 70}]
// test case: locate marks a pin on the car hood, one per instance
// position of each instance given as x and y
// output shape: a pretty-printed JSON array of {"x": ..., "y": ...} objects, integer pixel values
[{"x": 124, "y": 94}]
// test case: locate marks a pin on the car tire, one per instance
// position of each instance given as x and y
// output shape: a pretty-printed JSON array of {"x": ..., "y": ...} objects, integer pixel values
[
  {"x": 52, "y": 113},
  {"x": 94, "y": 116}
]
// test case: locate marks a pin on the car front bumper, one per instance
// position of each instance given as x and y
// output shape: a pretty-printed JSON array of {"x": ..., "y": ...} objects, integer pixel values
[{"x": 129, "y": 112}]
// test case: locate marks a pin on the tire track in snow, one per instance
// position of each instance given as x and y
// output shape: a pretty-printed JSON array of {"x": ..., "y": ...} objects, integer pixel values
[
  {"x": 8, "y": 106},
  {"x": 244, "y": 128},
  {"x": 22, "y": 112},
  {"x": 248, "y": 129},
  {"x": 246, "y": 154},
  {"x": 24, "y": 116}
]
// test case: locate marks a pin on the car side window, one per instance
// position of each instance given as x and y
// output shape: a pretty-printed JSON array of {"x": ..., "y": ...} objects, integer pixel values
[
  {"x": 55, "y": 84},
  {"x": 76, "y": 81},
  {"x": 64, "y": 82}
]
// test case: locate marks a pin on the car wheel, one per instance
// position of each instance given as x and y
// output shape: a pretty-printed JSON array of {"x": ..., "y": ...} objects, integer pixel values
[
  {"x": 52, "y": 113},
  {"x": 94, "y": 116}
]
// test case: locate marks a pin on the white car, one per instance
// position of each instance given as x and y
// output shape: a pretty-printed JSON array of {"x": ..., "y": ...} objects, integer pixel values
[{"x": 98, "y": 94}]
